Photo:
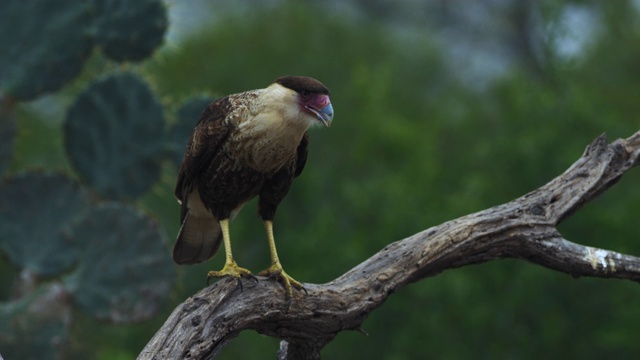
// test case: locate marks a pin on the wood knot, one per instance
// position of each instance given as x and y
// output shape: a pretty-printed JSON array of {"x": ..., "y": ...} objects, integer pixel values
[
  {"x": 537, "y": 210},
  {"x": 196, "y": 320}
]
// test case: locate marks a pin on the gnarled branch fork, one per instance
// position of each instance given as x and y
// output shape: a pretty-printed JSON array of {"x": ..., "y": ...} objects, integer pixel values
[{"x": 524, "y": 228}]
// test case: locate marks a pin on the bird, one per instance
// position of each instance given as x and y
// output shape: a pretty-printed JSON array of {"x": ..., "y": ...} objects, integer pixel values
[{"x": 244, "y": 145}]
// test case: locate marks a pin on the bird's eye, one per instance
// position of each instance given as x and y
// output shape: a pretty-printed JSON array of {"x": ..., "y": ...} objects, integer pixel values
[{"x": 305, "y": 94}]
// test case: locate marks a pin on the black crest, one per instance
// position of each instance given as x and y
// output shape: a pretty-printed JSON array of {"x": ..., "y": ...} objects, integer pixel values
[{"x": 303, "y": 84}]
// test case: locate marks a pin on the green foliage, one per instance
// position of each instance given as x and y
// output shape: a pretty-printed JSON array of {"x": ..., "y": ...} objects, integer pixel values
[
  {"x": 39, "y": 56},
  {"x": 128, "y": 32},
  {"x": 131, "y": 288},
  {"x": 114, "y": 136},
  {"x": 34, "y": 213}
]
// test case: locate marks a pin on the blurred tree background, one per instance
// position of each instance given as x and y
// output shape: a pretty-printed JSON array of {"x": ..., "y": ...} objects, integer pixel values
[{"x": 442, "y": 109}]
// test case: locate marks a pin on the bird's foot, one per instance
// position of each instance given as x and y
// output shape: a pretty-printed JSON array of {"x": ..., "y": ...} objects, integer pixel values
[
  {"x": 233, "y": 270},
  {"x": 275, "y": 271}
]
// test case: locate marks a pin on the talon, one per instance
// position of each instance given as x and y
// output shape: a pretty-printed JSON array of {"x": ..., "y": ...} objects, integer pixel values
[
  {"x": 276, "y": 272},
  {"x": 271, "y": 274},
  {"x": 233, "y": 270},
  {"x": 239, "y": 283}
]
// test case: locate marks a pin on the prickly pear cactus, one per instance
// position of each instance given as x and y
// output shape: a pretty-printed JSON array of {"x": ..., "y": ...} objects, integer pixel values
[
  {"x": 72, "y": 250},
  {"x": 128, "y": 32},
  {"x": 34, "y": 210},
  {"x": 51, "y": 52},
  {"x": 44, "y": 45},
  {"x": 36, "y": 325},
  {"x": 115, "y": 258},
  {"x": 114, "y": 136},
  {"x": 124, "y": 271}
]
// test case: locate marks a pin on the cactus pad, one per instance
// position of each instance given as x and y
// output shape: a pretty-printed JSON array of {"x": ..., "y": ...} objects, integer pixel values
[
  {"x": 130, "y": 30},
  {"x": 114, "y": 136},
  {"x": 36, "y": 325},
  {"x": 45, "y": 44},
  {"x": 34, "y": 210},
  {"x": 124, "y": 270}
]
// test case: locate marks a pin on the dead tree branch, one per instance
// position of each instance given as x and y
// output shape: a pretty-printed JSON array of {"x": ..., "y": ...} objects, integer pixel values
[{"x": 524, "y": 228}]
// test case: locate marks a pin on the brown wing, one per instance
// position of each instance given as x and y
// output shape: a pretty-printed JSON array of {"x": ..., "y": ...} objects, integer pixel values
[
  {"x": 301, "y": 158},
  {"x": 200, "y": 235},
  {"x": 208, "y": 137}
]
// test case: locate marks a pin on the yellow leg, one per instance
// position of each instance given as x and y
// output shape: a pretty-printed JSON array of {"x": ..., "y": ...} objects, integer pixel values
[
  {"x": 276, "y": 270},
  {"x": 230, "y": 267}
]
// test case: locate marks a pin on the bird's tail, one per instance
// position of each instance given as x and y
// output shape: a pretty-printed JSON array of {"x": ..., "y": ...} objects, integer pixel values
[{"x": 198, "y": 240}]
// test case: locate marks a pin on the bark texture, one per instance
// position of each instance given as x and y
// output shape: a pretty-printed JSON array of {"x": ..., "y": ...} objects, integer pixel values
[{"x": 524, "y": 228}]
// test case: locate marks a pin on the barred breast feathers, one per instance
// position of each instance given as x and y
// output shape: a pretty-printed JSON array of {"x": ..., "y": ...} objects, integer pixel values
[{"x": 267, "y": 127}]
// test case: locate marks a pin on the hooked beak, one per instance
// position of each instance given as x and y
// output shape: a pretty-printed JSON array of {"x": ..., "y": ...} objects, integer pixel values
[{"x": 324, "y": 115}]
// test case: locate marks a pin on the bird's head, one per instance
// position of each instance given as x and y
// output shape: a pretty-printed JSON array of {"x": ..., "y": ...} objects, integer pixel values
[{"x": 312, "y": 96}]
